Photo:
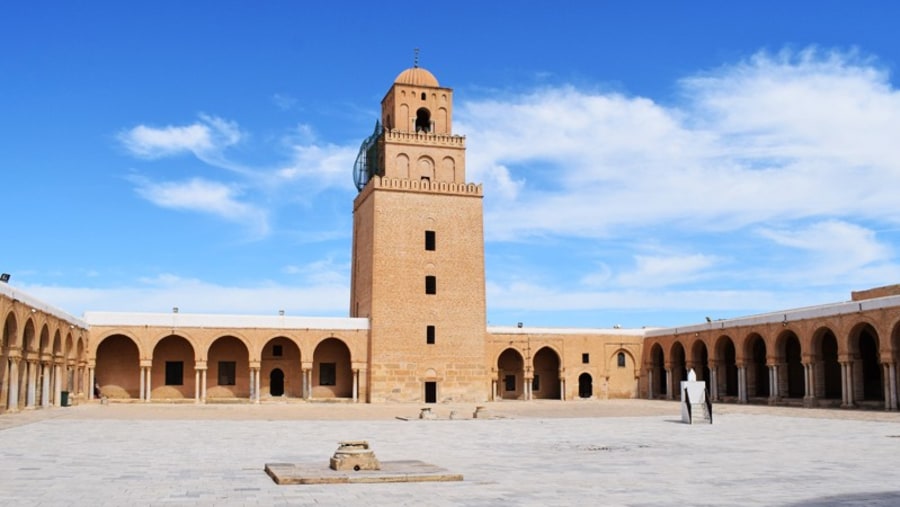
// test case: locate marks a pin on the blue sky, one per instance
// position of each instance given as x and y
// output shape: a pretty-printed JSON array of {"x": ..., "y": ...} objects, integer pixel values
[{"x": 644, "y": 163}]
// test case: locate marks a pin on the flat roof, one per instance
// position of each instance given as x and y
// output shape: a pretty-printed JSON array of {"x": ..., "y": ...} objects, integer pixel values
[
  {"x": 809, "y": 312},
  {"x": 222, "y": 320},
  {"x": 24, "y": 297}
]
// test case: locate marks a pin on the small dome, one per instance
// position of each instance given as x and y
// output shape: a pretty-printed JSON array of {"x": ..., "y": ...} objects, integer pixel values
[{"x": 417, "y": 76}]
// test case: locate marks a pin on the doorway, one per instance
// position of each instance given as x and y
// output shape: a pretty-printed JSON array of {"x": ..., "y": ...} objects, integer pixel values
[
  {"x": 430, "y": 392},
  {"x": 276, "y": 382},
  {"x": 585, "y": 386}
]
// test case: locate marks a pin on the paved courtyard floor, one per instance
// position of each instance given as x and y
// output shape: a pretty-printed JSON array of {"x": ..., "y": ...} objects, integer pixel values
[{"x": 628, "y": 452}]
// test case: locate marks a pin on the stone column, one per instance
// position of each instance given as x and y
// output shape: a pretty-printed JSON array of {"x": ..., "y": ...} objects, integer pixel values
[
  {"x": 30, "y": 379},
  {"x": 57, "y": 384},
  {"x": 892, "y": 378},
  {"x": 847, "y": 384},
  {"x": 149, "y": 383},
  {"x": 562, "y": 388},
  {"x": 670, "y": 384},
  {"x": 91, "y": 380},
  {"x": 254, "y": 374},
  {"x": 355, "y": 385},
  {"x": 141, "y": 385},
  {"x": 12, "y": 399},
  {"x": 203, "y": 376},
  {"x": 650, "y": 383},
  {"x": 714, "y": 383},
  {"x": 306, "y": 383},
  {"x": 196, "y": 385},
  {"x": 45, "y": 385},
  {"x": 742, "y": 384}
]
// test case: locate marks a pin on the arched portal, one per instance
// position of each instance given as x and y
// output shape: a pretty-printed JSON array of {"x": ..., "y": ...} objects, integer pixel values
[
  {"x": 658, "y": 371},
  {"x": 276, "y": 382},
  {"x": 826, "y": 367},
  {"x": 332, "y": 374},
  {"x": 758, "y": 370},
  {"x": 283, "y": 354},
  {"x": 585, "y": 386},
  {"x": 700, "y": 360},
  {"x": 790, "y": 376},
  {"x": 172, "y": 372},
  {"x": 727, "y": 359},
  {"x": 228, "y": 363},
  {"x": 118, "y": 369},
  {"x": 9, "y": 339},
  {"x": 511, "y": 369},
  {"x": 866, "y": 367},
  {"x": 620, "y": 369},
  {"x": 545, "y": 383}
]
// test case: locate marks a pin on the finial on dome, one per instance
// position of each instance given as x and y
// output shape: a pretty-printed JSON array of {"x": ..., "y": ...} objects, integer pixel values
[{"x": 416, "y": 58}]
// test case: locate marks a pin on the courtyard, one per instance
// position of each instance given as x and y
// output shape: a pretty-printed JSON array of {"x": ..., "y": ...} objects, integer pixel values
[{"x": 617, "y": 452}]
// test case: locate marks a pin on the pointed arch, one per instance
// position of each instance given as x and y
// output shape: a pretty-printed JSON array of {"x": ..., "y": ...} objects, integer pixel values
[
  {"x": 118, "y": 367},
  {"x": 546, "y": 366},
  {"x": 332, "y": 369},
  {"x": 511, "y": 373}
]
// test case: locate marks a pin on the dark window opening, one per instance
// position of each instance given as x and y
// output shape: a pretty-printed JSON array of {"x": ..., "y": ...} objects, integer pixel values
[
  {"x": 536, "y": 383},
  {"x": 277, "y": 350},
  {"x": 429, "y": 335},
  {"x": 174, "y": 373},
  {"x": 429, "y": 240},
  {"x": 430, "y": 392},
  {"x": 327, "y": 374},
  {"x": 226, "y": 373},
  {"x": 423, "y": 120},
  {"x": 621, "y": 359},
  {"x": 423, "y": 96},
  {"x": 510, "y": 383},
  {"x": 430, "y": 284},
  {"x": 585, "y": 358}
]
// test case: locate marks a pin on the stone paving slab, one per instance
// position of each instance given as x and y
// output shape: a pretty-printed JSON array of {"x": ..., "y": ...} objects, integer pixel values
[
  {"x": 752, "y": 456},
  {"x": 391, "y": 471}
]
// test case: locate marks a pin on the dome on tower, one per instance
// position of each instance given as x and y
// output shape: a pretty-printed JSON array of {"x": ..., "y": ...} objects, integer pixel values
[{"x": 417, "y": 76}]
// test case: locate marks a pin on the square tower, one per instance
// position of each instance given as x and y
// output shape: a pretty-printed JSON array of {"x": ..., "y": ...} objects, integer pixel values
[{"x": 418, "y": 251}]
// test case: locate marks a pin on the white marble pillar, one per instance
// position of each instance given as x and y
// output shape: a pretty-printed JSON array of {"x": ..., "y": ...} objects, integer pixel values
[
  {"x": 45, "y": 385},
  {"x": 256, "y": 385},
  {"x": 141, "y": 395},
  {"x": 91, "y": 381},
  {"x": 149, "y": 391},
  {"x": 196, "y": 385},
  {"x": 30, "y": 380},
  {"x": 670, "y": 384},
  {"x": 355, "y": 385},
  {"x": 12, "y": 398},
  {"x": 203, "y": 377},
  {"x": 650, "y": 384},
  {"x": 562, "y": 389}
]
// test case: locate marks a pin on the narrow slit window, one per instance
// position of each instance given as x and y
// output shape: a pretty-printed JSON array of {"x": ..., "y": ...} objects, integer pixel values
[
  {"x": 585, "y": 358},
  {"x": 621, "y": 359},
  {"x": 429, "y": 240},
  {"x": 429, "y": 335},
  {"x": 430, "y": 284}
]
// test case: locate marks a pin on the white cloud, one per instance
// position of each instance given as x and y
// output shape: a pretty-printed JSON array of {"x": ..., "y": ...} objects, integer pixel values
[
  {"x": 204, "y": 196},
  {"x": 781, "y": 137},
  {"x": 204, "y": 139},
  {"x": 196, "y": 296},
  {"x": 661, "y": 271}
]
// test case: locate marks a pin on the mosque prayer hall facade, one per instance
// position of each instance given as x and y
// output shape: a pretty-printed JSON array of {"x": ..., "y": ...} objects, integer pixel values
[{"x": 417, "y": 329}]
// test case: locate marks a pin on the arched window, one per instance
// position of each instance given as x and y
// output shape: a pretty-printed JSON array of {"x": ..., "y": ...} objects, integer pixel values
[
  {"x": 423, "y": 120},
  {"x": 621, "y": 359}
]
